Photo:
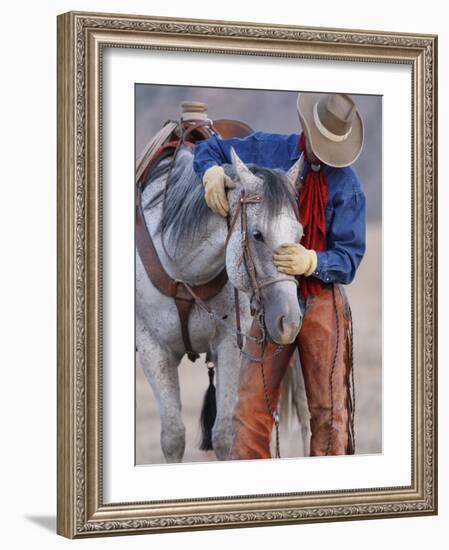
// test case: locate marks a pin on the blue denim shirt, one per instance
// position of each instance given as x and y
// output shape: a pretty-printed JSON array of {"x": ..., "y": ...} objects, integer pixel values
[{"x": 345, "y": 212}]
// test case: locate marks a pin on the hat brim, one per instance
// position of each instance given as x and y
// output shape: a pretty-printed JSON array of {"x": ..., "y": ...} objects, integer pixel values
[{"x": 338, "y": 154}]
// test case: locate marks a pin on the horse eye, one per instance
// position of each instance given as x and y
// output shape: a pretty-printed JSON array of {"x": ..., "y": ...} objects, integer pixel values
[{"x": 258, "y": 235}]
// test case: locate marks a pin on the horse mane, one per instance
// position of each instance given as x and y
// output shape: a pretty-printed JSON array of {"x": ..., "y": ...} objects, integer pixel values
[
  {"x": 277, "y": 191},
  {"x": 186, "y": 213}
]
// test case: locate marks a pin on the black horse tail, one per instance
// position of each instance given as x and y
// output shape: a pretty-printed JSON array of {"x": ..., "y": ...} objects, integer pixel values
[{"x": 208, "y": 413}]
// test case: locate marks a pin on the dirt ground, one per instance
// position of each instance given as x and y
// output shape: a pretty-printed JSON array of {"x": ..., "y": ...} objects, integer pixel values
[{"x": 365, "y": 295}]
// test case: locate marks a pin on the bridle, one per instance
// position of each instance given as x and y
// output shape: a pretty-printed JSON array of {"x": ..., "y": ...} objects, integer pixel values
[
  {"x": 257, "y": 305},
  {"x": 241, "y": 212}
]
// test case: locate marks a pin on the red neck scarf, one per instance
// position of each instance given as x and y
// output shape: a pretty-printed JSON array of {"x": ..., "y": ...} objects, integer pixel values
[{"x": 312, "y": 214}]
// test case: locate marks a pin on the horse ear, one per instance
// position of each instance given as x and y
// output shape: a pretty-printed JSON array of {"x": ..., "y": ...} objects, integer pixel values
[
  {"x": 293, "y": 175},
  {"x": 244, "y": 174}
]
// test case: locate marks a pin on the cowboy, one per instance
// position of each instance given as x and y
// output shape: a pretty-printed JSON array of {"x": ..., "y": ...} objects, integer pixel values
[{"x": 332, "y": 211}]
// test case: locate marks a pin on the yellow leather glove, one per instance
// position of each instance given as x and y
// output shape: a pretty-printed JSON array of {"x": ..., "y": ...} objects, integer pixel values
[
  {"x": 215, "y": 183},
  {"x": 295, "y": 259}
]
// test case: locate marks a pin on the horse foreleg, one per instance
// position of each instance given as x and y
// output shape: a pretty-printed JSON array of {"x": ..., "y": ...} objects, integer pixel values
[
  {"x": 228, "y": 367},
  {"x": 161, "y": 370}
]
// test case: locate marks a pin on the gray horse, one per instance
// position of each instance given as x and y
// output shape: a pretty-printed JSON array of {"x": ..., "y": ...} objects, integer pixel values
[{"x": 190, "y": 242}]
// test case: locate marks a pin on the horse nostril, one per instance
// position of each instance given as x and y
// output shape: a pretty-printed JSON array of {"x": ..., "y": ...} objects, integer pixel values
[{"x": 281, "y": 324}]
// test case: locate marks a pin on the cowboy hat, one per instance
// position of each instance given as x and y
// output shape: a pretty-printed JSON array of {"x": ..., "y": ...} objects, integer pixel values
[{"x": 333, "y": 127}]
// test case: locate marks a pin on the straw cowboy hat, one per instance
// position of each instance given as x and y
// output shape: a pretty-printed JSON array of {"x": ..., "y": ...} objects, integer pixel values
[{"x": 333, "y": 127}]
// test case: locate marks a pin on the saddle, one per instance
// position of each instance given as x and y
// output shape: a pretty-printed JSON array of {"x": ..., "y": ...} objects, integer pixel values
[{"x": 186, "y": 132}]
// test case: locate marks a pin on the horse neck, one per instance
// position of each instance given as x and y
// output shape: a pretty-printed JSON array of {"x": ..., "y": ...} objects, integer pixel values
[{"x": 195, "y": 262}]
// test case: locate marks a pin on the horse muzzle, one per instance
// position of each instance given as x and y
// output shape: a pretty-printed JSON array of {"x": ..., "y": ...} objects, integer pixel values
[{"x": 283, "y": 316}]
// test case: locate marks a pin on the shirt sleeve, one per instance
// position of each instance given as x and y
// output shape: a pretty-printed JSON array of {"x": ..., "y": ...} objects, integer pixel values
[
  {"x": 346, "y": 239},
  {"x": 261, "y": 148}
]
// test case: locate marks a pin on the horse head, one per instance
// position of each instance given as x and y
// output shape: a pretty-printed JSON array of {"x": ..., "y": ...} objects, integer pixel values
[{"x": 263, "y": 209}]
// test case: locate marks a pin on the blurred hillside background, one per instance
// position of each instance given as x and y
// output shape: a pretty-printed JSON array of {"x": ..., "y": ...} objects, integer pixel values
[{"x": 275, "y": 111}]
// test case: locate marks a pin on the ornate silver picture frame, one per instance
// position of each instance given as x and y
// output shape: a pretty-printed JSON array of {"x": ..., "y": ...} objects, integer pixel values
[{"x": 83, "y": 39}]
